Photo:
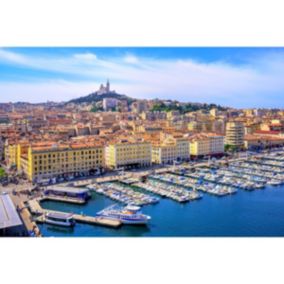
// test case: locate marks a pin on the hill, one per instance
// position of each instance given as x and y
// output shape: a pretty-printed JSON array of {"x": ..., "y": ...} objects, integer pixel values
[{"x": 95, "y": 97}]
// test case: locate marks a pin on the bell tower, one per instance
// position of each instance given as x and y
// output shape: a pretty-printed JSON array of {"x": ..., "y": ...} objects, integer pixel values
[{"x": 107, "y": 86}]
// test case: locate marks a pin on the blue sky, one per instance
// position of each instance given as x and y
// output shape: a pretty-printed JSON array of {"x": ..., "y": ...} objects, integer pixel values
[{"x": 238, "y": 77}]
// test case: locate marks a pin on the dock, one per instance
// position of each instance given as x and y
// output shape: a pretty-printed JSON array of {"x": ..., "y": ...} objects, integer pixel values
[
  {"x": 100, "y": 221},
  {"x": 26, "y": 216},
  {"x": 63, "y": 199}
]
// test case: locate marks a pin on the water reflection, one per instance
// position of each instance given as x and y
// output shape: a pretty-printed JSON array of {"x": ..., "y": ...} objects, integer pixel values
[{"x": 61, "y": 230}]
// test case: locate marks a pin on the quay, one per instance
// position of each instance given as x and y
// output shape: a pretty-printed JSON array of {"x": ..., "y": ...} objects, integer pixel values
[
  {"x": 26, "y": 217},
  {"x": 100, "y": 221},
  {"x": 65, "y": 199}
]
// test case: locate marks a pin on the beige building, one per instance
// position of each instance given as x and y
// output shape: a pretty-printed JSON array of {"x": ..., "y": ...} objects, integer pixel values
[
  {"x": 206, "y": 144},
  {"x": 235, "y": 133},
  {"x": 128, "y": 153},
  {"x": 254, "y": 141},
  {"x": 169, "y": 150}
]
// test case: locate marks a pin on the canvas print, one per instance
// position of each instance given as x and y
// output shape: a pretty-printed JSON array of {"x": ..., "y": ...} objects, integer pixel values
[{"x": 141, "y": 142}]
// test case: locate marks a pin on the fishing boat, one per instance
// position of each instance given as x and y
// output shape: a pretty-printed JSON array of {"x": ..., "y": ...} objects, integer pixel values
[
  {"x": 130, "y": 214},
  {"x": 60, "y": 219}
]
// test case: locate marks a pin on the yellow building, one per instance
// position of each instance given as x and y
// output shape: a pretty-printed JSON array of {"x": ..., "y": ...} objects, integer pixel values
[
  {"x": 204, "y": 144},
  {"x": 10, "y": 155},
  {"x": 127, "y": 153},
  {"x": 40, "y": 161},
  {"x": 169, "y": 150}
]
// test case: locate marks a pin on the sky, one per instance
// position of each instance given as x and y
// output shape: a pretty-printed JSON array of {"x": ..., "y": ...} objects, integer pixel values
[{"x": 236, "y": 77}]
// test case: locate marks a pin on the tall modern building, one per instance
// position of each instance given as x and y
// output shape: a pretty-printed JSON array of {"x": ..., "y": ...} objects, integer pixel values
[{"x": 235, "y": 133}]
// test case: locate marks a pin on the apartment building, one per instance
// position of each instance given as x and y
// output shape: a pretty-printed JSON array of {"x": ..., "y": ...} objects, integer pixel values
[
  {"x": 235, "y": 133},
  {"x": 47, "y": 160},
  {"x": 260, "y": 141},
  {"x": 169, "y": 150},
  {"x": 128, "y": 153},
  {"x": 206, "y": 144},
  {"x": 10, "y": 154}
]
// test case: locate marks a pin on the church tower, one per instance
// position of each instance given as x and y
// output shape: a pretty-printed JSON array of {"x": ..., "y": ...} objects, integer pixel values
[{"x": 108, "y": 86}]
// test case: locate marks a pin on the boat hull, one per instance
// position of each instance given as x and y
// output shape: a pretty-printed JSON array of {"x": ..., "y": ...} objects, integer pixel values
[
  {"x": 61, "y": 224},
  {"x": 127, "y": 221}
]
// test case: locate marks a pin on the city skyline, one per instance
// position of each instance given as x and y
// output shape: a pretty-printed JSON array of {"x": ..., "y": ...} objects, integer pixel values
[{"x": 237, "y": 77}]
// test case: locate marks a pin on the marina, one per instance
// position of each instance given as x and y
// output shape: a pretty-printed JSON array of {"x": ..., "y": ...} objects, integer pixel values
[
  {"x": 123, "y": 193},
  {"x": 171, "y": 189},
  {"x": 253, "y": 213},
  {"x": 207, "y": 186}
]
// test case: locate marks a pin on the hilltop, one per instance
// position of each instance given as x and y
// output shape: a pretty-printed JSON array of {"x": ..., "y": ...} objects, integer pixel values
[
  {"x": 95, "y": 97},
  {"x": 102, "y": 93}
]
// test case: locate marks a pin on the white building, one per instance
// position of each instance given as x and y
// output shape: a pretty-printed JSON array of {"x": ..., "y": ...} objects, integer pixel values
[
  {"x": 235, "y": 133},
  {"x": 109, "y": 103}
]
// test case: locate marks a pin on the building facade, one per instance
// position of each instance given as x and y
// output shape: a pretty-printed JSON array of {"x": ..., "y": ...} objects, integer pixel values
[
  {"x": 128, "y": 153},
  {"x": 54, "y": 161},
  {"x": 235, "y": 133},
  {"x": 206, "y": 144},
  {"x": 170, "y": 150}
]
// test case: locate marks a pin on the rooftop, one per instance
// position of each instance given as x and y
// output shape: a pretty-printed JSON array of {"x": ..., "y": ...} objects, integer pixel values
[
  {"x": 68, "y": 189},
  {"x": 8, "y": 215}
]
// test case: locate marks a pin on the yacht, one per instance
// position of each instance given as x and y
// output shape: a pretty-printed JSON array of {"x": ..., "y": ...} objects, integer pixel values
[
  {"x": 60, "y": 219},
  {"x": 130, "y": 214}
]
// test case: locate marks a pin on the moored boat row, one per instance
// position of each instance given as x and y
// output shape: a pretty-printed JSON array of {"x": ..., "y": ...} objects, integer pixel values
[{"x": 123, "y": 194}]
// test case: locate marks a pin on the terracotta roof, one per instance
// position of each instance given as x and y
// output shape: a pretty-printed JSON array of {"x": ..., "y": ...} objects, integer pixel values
[{"x": 267, "y": 132}]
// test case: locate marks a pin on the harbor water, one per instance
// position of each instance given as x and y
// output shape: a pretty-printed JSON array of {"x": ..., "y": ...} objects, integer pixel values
[{"x": 246, "y": 213}]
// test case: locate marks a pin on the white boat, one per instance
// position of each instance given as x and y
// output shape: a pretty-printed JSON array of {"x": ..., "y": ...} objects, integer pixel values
[
  {"x": 274, "y": 182},
  {"x": 130, "y": 214},
  {"x": 60, "y": 219}
]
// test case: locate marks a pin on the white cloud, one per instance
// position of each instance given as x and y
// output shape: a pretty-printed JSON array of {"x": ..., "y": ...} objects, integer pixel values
[
  {"x": 13, "y": 57},
  {"x": 85, "y": 56},
  {"x": 130, "y": 58},
  {"x": 259, "y": 82}
]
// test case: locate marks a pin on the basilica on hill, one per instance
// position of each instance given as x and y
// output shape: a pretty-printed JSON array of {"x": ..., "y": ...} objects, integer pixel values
[{"x": 105, "y": 89}]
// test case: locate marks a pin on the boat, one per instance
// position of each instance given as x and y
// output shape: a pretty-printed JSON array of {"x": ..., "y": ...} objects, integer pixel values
[
  {"x": 60, "y": 219},
  {"x": 129, "y": 214},
  {"x": 274, "y": 182}
]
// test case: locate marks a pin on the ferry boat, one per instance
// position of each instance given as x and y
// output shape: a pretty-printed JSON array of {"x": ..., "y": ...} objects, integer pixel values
[
  {"x": 130, "y": 214},
  {"x": 60, "y": 219}
]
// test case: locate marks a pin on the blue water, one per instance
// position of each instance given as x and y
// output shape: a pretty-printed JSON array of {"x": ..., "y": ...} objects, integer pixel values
[{"x": 255, "y": 213}]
